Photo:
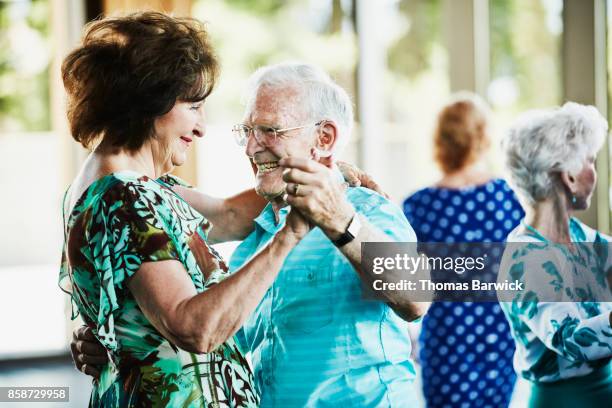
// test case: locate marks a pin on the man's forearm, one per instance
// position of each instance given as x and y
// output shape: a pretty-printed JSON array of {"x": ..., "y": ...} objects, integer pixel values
[
  {"x": 231, "y": 217},
  {"x": 243, "y": 209},
  {"x": 400, "y": 301}
]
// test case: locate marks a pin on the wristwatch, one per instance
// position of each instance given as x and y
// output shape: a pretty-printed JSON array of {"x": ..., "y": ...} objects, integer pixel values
[{"x": 351, "y": 232}]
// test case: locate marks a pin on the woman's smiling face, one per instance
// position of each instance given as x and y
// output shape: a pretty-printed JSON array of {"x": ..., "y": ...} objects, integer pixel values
[{"x": 177, "y": 130}]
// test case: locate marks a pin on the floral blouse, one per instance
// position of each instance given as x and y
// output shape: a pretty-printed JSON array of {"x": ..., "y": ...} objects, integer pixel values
[
  {"x": 561, "y": 328},
  {"x": 121, "y": 221}
]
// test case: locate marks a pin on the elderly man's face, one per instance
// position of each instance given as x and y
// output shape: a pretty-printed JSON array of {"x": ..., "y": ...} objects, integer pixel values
[{"x": 277, "y": 108}]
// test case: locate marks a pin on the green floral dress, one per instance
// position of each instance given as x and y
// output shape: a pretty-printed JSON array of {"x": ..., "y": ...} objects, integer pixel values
[
  {"x": 560, "y": 321},
  {"x": 121, "y": 221}
]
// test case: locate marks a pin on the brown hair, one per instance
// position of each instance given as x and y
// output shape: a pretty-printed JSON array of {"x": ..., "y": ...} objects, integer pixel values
[
  {"x": 461, "y": 133},
  {"x": 130, "y": 70}
]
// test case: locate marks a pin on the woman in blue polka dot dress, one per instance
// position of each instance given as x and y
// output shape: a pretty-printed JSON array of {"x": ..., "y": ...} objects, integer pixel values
[{"x": 465, "y": 348}]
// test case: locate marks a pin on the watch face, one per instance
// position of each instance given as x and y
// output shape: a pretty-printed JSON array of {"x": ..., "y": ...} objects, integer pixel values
[{"x": 354, "y": 226}]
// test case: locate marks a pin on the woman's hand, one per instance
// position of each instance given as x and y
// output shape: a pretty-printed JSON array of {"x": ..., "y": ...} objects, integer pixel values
[
  {"x": 356, "y": 177},
  {"x": 296, "y": 226}
]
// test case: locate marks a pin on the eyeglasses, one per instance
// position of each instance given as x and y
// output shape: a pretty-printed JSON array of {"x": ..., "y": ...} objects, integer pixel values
[{"x": 265, "y": 135}]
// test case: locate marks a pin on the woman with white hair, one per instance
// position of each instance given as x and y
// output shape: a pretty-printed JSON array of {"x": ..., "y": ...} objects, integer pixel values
[{"x": 561, "y": 321}]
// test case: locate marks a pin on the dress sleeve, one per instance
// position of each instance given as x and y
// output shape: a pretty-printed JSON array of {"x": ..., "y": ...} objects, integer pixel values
[
  {"x": 172, "y": 180},
  {"x": 602, "y": 246},
  {"x": 578, "y": 331},
  {"x": 129, "y": 226},
  {"x": 564, "y": 328}
]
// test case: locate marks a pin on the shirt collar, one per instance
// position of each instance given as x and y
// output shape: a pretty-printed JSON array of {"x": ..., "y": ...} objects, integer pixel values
[{"x": 266, "y": 219}]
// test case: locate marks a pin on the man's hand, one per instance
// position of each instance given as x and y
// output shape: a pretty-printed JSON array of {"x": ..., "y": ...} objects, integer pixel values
[
  {"x": 313, "y": 189},
  {"x": 87, "y": 353}
]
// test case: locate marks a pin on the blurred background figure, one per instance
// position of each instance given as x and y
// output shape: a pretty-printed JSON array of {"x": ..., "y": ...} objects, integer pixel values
[
  {"x": 465, "y": 347},
  {"x": 562, "y": 320}
]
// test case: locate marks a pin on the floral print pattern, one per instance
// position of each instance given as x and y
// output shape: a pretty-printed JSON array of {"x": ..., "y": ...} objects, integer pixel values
[
  {"x": 121, "y": 221},
  {"x": 559, "y": 339}
]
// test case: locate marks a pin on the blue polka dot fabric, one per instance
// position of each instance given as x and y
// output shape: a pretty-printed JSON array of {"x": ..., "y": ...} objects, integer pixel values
[{"x": 465, "y": 348}]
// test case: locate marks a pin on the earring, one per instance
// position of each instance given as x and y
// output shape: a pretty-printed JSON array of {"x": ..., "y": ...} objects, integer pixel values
[{"x": 573, "y": 199}]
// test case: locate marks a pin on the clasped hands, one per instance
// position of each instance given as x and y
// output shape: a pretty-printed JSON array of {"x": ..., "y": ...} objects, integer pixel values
[{"x": 314, "y": 190}]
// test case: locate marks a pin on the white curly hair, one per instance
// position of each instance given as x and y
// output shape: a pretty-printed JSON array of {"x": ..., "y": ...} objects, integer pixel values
[
  {"x": 322, "y": 97},
  {"x": 541, "y": 143}
]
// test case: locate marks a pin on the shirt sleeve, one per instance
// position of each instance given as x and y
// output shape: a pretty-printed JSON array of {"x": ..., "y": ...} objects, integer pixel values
[
  {"x": 577, "y": 331},
  {"x": 384, "y": 215}
]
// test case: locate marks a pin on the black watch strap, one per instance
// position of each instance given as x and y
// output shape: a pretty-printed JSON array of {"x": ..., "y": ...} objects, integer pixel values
[
  {"x": 344, "y": 239},
  {"x": 351, "y": 231}
]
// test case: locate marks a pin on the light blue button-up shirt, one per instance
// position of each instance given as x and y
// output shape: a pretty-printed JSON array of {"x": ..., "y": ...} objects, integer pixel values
[{"x": 314, "y": 340}]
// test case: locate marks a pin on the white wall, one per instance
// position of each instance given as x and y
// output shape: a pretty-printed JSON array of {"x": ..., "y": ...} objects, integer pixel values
[{"x": 30, "y": 195}]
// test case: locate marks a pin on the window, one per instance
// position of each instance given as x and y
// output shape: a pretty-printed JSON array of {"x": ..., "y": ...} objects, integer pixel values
[
  {"x": 416, "y": 85},
  {"x": 24, "y": 66},
  {"x": 248, "y": 35},
  {"x": 525, "y": 70},
  {"x": 30, "y": 175}
]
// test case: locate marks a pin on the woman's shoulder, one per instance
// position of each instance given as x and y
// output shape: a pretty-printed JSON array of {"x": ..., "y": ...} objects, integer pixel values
[
  {"x": 171, "y": 180},
  {"x": 580, "y": 232},
  {"x": 443, "y": 191},
  {"x": 423, "y": 196},
  {"x": 518, "y": 234},
  {"x": 124, "y": 191},
  {"x": 497, "y": 188},
  {"x": 420, "y": 201},
  {"x": 131, "y": 188}
]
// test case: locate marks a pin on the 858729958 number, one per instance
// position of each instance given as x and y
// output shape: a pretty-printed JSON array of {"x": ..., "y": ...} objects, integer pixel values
[{"x": 19, "y": 394}]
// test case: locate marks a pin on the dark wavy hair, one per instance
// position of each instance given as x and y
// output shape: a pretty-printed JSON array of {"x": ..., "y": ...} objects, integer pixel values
[{"x": 130, "y": 70}]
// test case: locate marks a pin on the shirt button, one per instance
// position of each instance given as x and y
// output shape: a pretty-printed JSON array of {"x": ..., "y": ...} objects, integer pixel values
[
  {"x": 269, "y": 334},
  {"x": 310, "y": 276}
]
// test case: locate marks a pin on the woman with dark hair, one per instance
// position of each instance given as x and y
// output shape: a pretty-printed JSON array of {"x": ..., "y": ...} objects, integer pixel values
[
  {"x": 562, "y": 319},
  {"x": 465, "y": 347},
  {"x": 136, "y": 259}
]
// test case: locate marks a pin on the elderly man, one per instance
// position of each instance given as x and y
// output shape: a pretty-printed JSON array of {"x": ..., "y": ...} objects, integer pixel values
[{"x": 314, "y": 339}]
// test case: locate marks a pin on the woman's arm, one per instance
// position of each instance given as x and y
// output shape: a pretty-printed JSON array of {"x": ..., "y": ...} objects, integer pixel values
[
  {"x": 562, "y": 327},
  {"x": 201, "y": 322},
  {"x": 570, "y": 329},
  {"x": 232, "y": 217}
]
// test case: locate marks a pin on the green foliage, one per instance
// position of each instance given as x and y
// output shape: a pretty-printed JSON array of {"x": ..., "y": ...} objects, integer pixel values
[
  {"x": 264, "y": 7},
  {"x": 248, "y": 35},
  {"x": 24, "y": 91},
  {"x": 502, "y": 51},
  {"x": 410, "y": 55},
  {"x": 524, "y": 47}
]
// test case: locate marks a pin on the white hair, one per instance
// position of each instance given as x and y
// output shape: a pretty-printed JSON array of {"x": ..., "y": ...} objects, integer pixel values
[
  {"x": 544, "y": 142},
  {"x": 323, "y": 99}
]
